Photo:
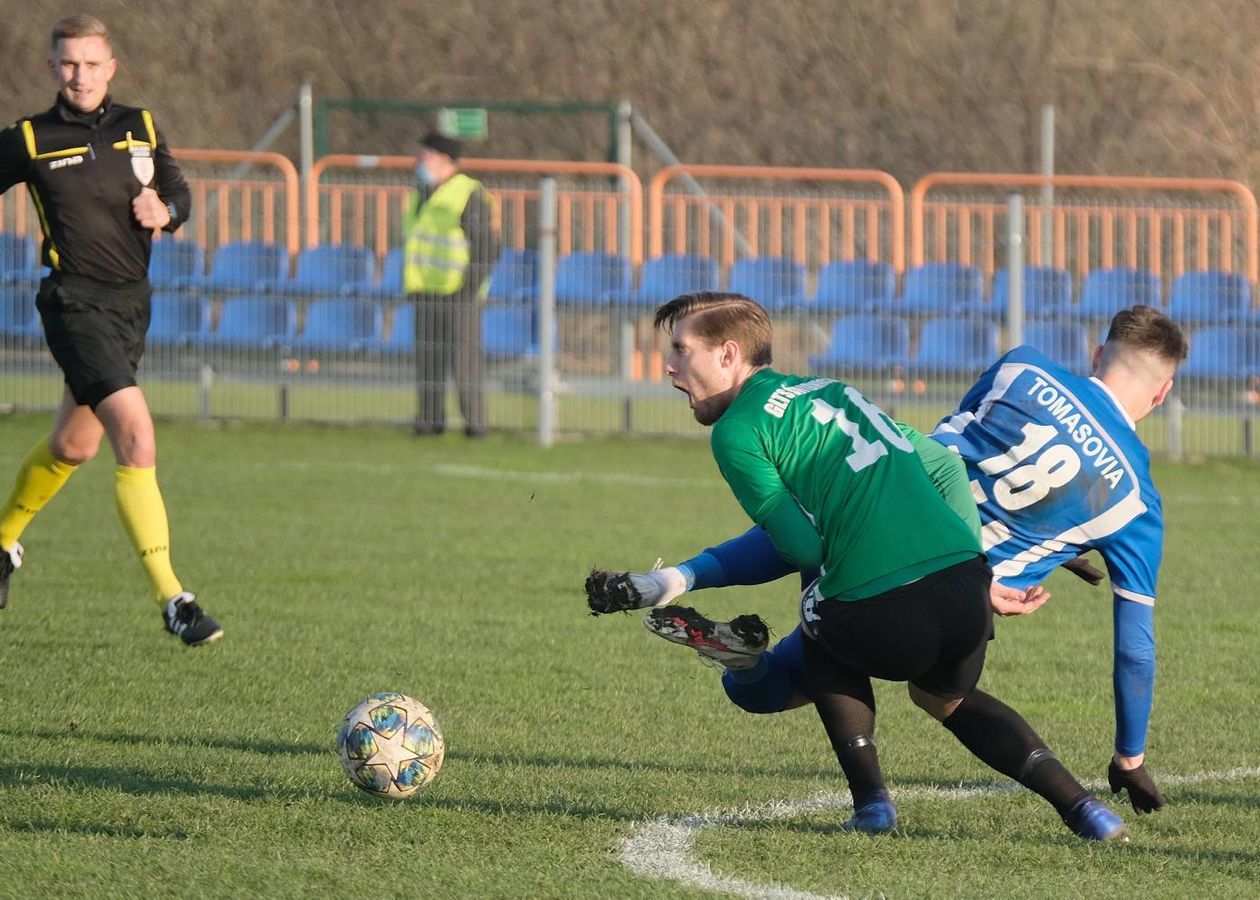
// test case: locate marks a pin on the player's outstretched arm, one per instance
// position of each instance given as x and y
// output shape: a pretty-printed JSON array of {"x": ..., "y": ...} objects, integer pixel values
[{"x": 747, "y": 559}]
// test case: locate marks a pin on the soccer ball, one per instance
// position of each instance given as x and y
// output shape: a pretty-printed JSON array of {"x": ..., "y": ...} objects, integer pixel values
[{"x": 390, "y": 745}]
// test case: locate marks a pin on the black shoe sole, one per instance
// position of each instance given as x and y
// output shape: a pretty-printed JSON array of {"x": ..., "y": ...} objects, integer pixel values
[{"x": 210, "y": 639}]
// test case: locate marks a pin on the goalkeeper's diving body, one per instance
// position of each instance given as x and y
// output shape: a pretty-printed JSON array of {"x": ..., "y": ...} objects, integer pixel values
[
  {"x": 1054, "y": 462},
  {"x": 903, "y": 592}
]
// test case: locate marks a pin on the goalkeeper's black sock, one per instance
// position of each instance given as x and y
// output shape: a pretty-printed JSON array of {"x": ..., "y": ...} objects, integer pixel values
[
  {"x": 846, "y": 705},
  {"x": 860, "y": 762},
  {"x": 1001, "y": 739}
]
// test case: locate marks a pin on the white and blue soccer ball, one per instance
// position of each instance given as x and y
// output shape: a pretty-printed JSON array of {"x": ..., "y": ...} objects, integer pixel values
[{"x": 390, "y": 745}]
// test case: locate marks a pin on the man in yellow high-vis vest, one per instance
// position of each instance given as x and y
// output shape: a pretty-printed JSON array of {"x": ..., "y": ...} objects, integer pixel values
[{"x": 450, "y": 249}]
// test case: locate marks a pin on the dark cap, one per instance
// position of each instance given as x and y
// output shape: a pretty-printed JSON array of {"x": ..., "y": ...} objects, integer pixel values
[{"x": 442, "y": 144}]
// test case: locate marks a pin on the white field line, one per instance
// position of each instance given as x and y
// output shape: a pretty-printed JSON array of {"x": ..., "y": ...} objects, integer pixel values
[
  {"x": 484, "y": 473},
  {"x": 662, "y": 848},
  {"x": 470, "y": 472},
  {"x": 487, "y": 473}
]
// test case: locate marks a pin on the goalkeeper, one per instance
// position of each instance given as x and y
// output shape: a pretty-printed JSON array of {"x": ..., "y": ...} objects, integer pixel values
[{"x": 1134, "y": 371}]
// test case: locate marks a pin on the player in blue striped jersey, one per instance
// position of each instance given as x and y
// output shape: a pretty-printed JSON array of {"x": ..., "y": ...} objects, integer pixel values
[{"x": 1056, "y": 468}]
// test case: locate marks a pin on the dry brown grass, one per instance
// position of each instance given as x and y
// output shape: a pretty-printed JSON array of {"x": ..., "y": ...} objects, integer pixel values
[{"x": 909, "y": 86}]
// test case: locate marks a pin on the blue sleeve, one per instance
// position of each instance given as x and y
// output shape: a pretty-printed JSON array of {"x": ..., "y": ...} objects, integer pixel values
[
  {"x": 747, "y": 559},
  {"x": 1133, "y": 672}
]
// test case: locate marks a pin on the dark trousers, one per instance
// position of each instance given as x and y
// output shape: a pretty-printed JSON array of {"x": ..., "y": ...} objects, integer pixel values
[{"x": 448, "y": 341}]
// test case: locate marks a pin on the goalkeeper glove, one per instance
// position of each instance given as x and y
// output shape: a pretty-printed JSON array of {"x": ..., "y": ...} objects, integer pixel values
[
  {"x": 1143, "y": 793},
  {"x": 608, "y": 592}
]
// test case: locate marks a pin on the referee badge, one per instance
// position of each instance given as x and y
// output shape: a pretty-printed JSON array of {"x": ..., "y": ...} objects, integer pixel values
[{"x": 141, "y": 160}]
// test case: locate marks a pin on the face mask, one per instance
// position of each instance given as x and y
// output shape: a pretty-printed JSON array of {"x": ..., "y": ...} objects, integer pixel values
[{"x": 423, "y": 176}]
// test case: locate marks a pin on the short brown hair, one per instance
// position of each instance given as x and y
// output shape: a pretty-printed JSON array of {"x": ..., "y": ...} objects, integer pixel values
[
  {"x": 720, "y": 316},
  {"x": 1145, "y": 328},
  {"x": 79, "y": 27}
]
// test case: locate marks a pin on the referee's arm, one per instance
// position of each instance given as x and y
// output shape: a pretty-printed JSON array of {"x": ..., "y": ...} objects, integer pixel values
[
  {"x": 170, "y": 185},
  {"x": 15, "y": 162}
]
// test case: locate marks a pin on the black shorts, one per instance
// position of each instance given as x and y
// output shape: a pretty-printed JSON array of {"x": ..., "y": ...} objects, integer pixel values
[
  {"x": 932, "y": 632},
  {"x": 95, "y": 331}
]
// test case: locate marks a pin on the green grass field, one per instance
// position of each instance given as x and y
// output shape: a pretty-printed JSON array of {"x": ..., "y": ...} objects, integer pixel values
[{"x": 348, "y": 561}]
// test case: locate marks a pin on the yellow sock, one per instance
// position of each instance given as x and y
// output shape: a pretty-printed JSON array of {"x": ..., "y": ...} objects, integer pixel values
[
  {"x": 40, "y": 477},
  {"x": 144, "y": 516}
]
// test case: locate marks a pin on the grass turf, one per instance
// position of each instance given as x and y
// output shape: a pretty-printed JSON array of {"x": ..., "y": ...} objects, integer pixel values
[{"x": 348, "y": 561}]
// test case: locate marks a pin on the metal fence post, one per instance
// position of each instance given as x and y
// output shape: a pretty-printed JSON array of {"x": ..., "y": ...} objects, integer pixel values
[
  {"x": 306, "y": 142},
  {"x": 1047, "y": 187},
  {"x": 625, "y": 143},
  {"x": 205, "y": 383},
  {"x": 1175, "y": 410},
  {"x": 1015, "y": 265},
  {"x": 546, "y": 311}
]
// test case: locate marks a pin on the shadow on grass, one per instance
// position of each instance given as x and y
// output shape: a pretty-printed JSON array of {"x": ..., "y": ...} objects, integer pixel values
[
  {"x": 266, "y": 747},
  {"x": 135, "y": 782},
  {"x": 93, "y": 829},
  {"x": 1215, "y": 798}
]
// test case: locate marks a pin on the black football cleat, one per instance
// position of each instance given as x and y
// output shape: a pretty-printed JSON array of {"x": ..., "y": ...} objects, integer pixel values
[
  {"x": 737, "y": 644},
  {"x": 10, "y": 561},
  {"x": 192, "y": 624}
]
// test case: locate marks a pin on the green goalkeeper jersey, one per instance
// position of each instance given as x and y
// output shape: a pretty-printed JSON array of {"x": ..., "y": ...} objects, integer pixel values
[{"x": 836, "y": 485}]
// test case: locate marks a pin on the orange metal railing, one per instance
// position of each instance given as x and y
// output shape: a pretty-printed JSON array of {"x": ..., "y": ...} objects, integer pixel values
[
  {"x": 1167, "y": 225},
  {"x": 814, "y": 227},
  {"x": 588, "y": 216},
  {"x": 227, "y": 208}
]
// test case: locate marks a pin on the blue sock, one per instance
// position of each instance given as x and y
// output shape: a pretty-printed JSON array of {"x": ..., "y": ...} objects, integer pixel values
[{"x": 765, "y": 688}]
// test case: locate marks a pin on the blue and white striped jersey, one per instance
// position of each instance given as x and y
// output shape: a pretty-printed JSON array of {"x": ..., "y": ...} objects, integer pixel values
[{"x": 1057, "y": 468}]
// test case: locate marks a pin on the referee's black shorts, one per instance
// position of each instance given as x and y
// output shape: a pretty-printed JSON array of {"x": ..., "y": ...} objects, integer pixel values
[
  {"x": 95, "y": 331},
  {"x": 932, "y": 632}
]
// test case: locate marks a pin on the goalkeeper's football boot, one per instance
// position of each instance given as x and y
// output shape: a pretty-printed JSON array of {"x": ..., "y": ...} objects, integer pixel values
[
  {"x": 10, "y": 561},
  {"x": 1093, "y": 820},
  {"x": 192, "y": 624},
  {"x": 874, "y": 817},
  {"x": 737, "y": 644}
]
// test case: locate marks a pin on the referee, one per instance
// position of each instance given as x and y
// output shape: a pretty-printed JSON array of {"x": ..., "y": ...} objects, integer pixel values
[{"x": 88, "y": 164}]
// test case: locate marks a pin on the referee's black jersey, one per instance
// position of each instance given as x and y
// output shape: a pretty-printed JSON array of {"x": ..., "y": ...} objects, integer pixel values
[{"x": 78, "y": 169}]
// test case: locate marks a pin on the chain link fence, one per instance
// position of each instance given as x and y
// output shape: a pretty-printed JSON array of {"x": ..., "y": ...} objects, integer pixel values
[{"x": 260, "y": 312}]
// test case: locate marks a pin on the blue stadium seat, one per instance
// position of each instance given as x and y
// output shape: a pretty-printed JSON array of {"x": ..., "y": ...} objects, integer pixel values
[
  {"x": 402, "y": 331},
  {"x": 17, "y": 258},
  {"x": 514, "y": 272},
  {"x": 342, "y": 324},
  {"x": 1107, "y": 291},
  {"x": 1210, "y": 297},
  {"x": 1064, "y": 342},
  {"x": 665, "y": 277},
  {"x": 951, "y": 346},
  {"x": 18, "y": 316},
  {"x": 326, "y": 270},
  {"x": 770, "y": 280},
  {"x": 509, "y": 332},
  {"x": 943, "y": 288},
  {"x": 253, "y": 322},
  {"x": 1222, "y": 353},
  {"x": 1047, "y": 292},
  {"x": 174, "y": 260},
  {"x": 852, "y": 286},
  {"x": 390, "y": 285},
  {"x": 178, "y": 318},
  {"x": 584, "y": 279},
  {"x": 240, "y": 267},
  {"x": 865, "y": 342}
]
